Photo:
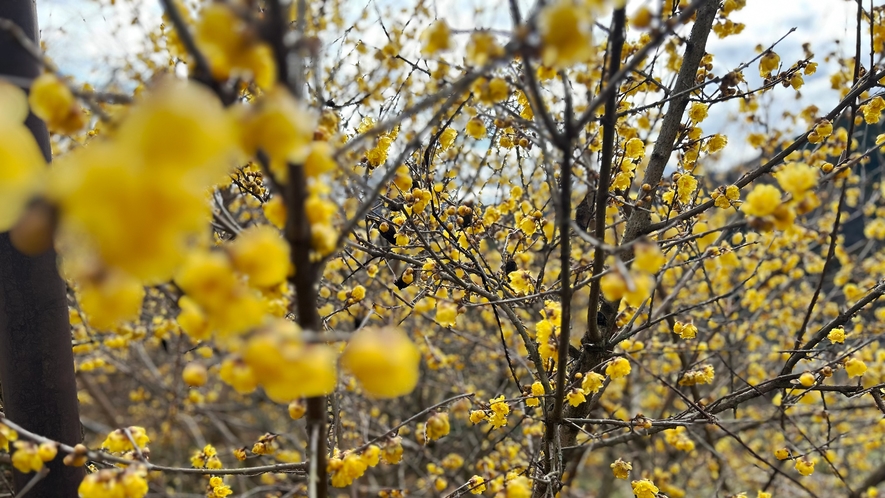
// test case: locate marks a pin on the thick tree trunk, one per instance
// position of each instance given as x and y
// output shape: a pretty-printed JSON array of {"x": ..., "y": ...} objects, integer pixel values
[{"x": 36, "y": 361}]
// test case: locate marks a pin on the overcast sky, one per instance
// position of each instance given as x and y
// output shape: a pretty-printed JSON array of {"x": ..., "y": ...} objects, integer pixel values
[{"x": 85, "y": 38}]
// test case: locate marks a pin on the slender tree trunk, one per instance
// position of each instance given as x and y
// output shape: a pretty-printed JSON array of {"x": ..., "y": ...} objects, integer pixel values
[{"x": 36, "y": 360}]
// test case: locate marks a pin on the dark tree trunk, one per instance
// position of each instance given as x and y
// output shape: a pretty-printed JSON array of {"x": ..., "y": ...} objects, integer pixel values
[{"x": 36, "y": 361}]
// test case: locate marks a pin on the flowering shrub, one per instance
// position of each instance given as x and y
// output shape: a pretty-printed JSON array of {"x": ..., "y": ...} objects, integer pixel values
[{"x": 456, "y": 261}]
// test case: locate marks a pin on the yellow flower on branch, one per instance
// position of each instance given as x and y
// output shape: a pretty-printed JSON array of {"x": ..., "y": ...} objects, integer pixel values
[
  {"x": 53, "y": 102},
  {"x": 566, "y": 34},
  {"x": 384, "y": 360}
]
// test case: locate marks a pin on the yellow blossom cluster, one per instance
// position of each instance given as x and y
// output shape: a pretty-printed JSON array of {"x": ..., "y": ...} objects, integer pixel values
[
  {"x": 348, "y": 466},
  {"x": 701, "y": 375},
  {"x": 384, "y": 360},
  {"x": 678, "y": 438},
  {"x": 121, "y": 440},
  {"x": 130, "y": 482},
  {"x": 277, "y": 359},
  {"x": 53, "y": 102},
  {"x": 232, "y": 47},
  {"x": 207, "y": 458},
  {"x": 30, "y": 457}
]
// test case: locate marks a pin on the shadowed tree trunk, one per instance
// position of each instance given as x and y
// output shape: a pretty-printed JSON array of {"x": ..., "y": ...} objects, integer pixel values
[{"x": 36, "y": 361}]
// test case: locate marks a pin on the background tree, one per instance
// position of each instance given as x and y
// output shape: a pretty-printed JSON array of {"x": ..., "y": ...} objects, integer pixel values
[
  {"x": 36, "y": 362},
  {"x": 513, "y": 243}
]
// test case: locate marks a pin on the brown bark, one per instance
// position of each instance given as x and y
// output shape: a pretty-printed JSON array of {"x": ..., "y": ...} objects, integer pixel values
[{"x": 36, "y": 360}]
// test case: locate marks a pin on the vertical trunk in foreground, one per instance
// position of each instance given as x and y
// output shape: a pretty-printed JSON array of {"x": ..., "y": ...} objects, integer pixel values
[{"x": 36, "y": 361}]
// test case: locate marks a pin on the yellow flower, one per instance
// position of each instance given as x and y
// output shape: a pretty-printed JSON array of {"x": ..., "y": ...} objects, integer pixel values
[
  {"x": 208, "y": 278},
  {"x": 805, "y": 466},
  {"x": 500, "y": 409},
  {"x": 21, "y": 162},
  {"x": 648, "y": 257},
  {"x": 618, "y": 367},
  {"x": 118, "y": 442},
  {"x": 496, "y": 91},
  {"x": 139, "y": 217},
  {"x": 701, "y": 375},
  {"x": 352, "y": 467},
  {"x": 231, "y": 47},
  {"x": 323, "y": 238},
  {"x": 436, "y": 38},
  {"x": 678, "y": 439},
  {"x": 286, "y": 368},
  {"x": 732, "y": 193},
  {"x": 129, "y": 483},
  {"x": 6, "y": 435},
  {"x": 593, "y": 382},
  {"x": 47, "y": 451},
  {"x": 685, "y": 330},
  {"x": 641, "y": 18},
  {"x": 26, "y": 457},
  {"x": 762, "y": 201},
  {"x": 476, "y": 128},
  {"x": 319, "y": 160},
  {"x": 115, "y": 298},
  {"x": 53, "y": 102},
  {"x": 481, "y": 48},
  {"x": 238, "y": 375},
  {"x": 521, "y": 281},
  {"x": 384, "y": 360},
  {"x": 855, "y": 367},
  {"x": 644, "y": 488},
  {"x": 797, "y": 178},
  {"x": 437, "y": 426},
  {"x": 643, "y": 285},
  {"x": 180, "y": 130},
  {"x": 528, "y": 226},
  {"x": 768, "y": 63},
  {"x": 537, "y": 390},
  {"x": 698, "y": 112},
  {"x": 807, "y": 379},
  {"x": 192, "y": 319},
  {"x": 392, "y": 451},
  {"x": 262, "y": 254},
  {"x": 685, "y": 188},
  {"x": 266, "y": 445},
  {"x": 447, "y": 138},
  {"x": 634, "y": 148},
  {"x": 446, "y": 314},
  {"x": 195, "y": 374},
  {"x": 566, "y": 34},
  {"x": 621, "y": 469},
  {"x": 14, "y": 102},
  {"x": 575, "y": 397},
  {"x": 477, "y": 485},
  {"x": 275, "y": 212},
  {"x": 613, "y": 286},
  {"x": 717, "y": 142},
  {"x": 371, "y": 455},
  {"x": 824, "y": 128},
  {"x": 518, "y": 487},
  {"x": 782, "y": 453},
  {"x": 297, "y": 409},
  {"x": 222, "y": 490},
  {"x": 837, "y": 335},
  {"x": 281, "y": 127},
  {"x": 477, "y": 416}
]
